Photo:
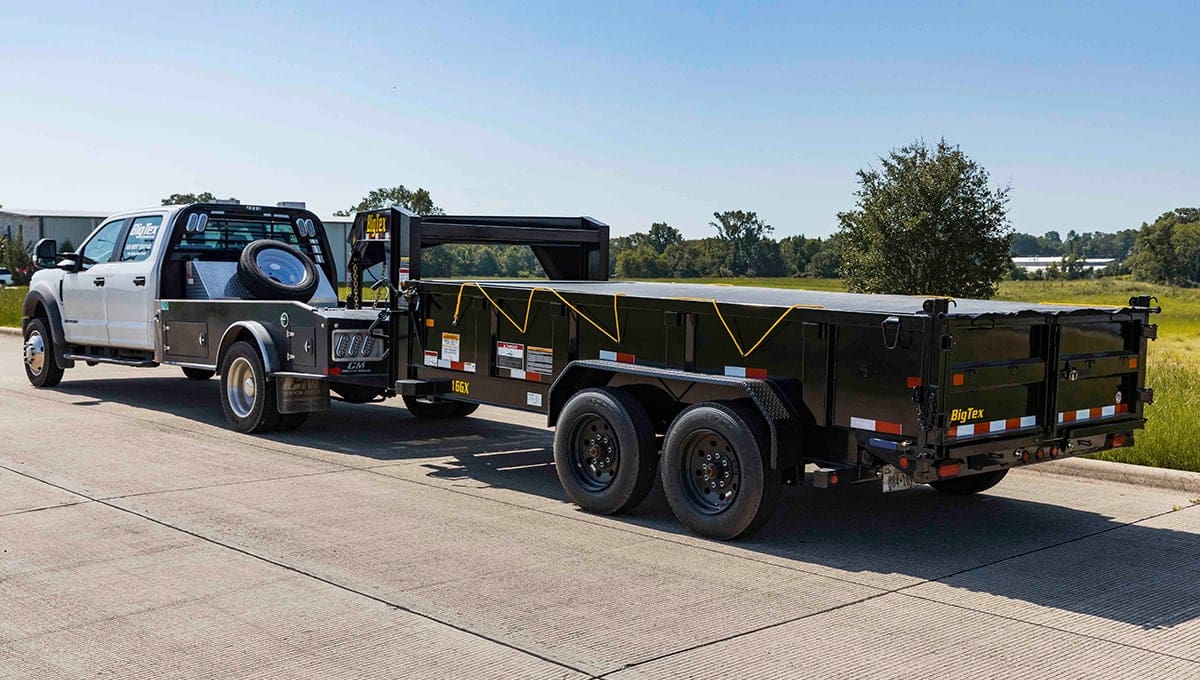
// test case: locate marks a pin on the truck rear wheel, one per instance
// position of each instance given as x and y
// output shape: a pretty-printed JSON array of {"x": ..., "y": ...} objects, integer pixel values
[
  {"x": 247, "y": 395},
  {"x": 437, "y": 409},
  {"x": 605, "y": 450},
  {"x": 41, "y": 368},
  {"x": 715, "y": 471},
  {"x": 198, "y": 373},
  {"x": 962, "y": 486}
]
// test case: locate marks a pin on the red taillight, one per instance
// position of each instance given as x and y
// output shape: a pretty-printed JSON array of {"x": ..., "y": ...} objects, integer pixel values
[
  {"x": 1054, "y": 452},
  {"x": 1119, "y": 440},
  {"x": 833, "y": 479},
  {"x": 1025, "y": 457},
  {"x": 947, "y": 470},
  {"x": 334, "y": 370},
  {"x": 1041, "y": 454},
  {"x": 904, "y": 462}
]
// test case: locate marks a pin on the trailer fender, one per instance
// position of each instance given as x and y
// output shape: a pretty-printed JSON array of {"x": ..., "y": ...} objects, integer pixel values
[
  {"x": 782, "y": 421},
  {"x": 29, "y": 309},
  {"x": 259, "y": 335}
]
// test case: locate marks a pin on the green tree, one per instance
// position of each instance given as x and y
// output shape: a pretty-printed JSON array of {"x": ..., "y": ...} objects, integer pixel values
[
  {"x": 740, "y": 233},
  {"x": 1168, "y": 251},
  {"x": 417, "y": 200},
  {"x": 188, "y": 199},
  {"x": 641, "y": 262},
  {"x": 662, "y": 235},
  {"x": 926, "y": 224},
  {"x": 15, "y": 257}
]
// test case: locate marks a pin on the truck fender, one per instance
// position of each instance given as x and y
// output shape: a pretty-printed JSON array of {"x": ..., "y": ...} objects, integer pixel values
[
  {"x": 783, "y": 423},
  {"x": 260, "y": 336},
  {"x": 29, "y": 309}
]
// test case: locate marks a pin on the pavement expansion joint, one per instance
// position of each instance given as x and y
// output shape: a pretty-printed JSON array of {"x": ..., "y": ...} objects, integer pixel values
[{"x": 309, "y": 575}]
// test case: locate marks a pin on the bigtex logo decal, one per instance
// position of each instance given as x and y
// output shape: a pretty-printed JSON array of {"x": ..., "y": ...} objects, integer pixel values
[{"x": 962, "y": 415}]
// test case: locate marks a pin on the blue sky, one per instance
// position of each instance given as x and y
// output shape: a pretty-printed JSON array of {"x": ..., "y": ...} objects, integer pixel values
[{"x": 630, "y": 112}]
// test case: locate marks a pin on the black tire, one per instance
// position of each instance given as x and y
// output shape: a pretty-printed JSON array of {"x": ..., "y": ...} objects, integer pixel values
[
  {"x": 274, "y": 270},
  {"x": 198, "y": 373},
  {"x": 356, "y": 394},
  {"x": 41, "y": 367},
  {"x": 962, "y": 486},
  {"x": 605, "y": 450},
  {"x": 716, "y": 474},
  {"x": 248, "y": 408},
  {"x": 432, "y": 408},
  {"x": 291, "y": 421}
]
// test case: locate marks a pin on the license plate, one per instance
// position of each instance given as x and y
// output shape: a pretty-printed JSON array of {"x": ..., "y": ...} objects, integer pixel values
[{"x": 896, "y": 481}]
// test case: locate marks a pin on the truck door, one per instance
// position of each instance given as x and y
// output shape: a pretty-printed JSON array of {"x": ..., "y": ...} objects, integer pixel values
[
  {"x": 84, "y": 321},
  {"x": 130, "y": 286}
]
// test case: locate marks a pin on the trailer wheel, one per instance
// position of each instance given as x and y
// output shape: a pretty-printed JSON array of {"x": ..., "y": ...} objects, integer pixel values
[
  {"x": 41, "y": 368},
  {"x": 962, "y": 486},
  {"x": 198, "y": 373},
  {"x": 605, "y": 450},
  {"x": 247, "y": 395},
  {"x": 424, "y": 408},
  {"x": 715, "y": 471}
]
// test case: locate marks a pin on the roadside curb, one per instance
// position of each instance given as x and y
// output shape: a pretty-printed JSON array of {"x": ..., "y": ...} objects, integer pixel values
[
  {"x": 5, "y": 330},
  {"x": 1124, "y": 473}
]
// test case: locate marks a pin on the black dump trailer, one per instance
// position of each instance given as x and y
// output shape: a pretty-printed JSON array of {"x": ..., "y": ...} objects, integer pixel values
[{"x": 725, "y": 393}]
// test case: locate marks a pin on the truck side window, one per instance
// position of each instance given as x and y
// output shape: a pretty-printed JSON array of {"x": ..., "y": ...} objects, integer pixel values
[
  {"x": 99, "y": 247},
  {"x": 142, "y": 234}
]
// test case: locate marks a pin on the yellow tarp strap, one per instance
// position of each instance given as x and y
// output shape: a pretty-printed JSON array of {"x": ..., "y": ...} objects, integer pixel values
[
  {"x": 732, "y": 336},
  {"x": 523, "y": 327}
]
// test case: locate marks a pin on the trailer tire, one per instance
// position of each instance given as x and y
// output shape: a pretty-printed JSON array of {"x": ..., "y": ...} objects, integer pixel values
[
  {"x": 963, "y": 486},
  {"x": 198, "y": 373},
  {"x": 356, "y": 394},
  {"x": 438, "y": 409},
  {"x": 605, "y": 451},
  {"x": 41, "y": 367},
  {"x": 274, "y": 270},
  {"x": 716, "y": 474},
  {"x": 291, "y": 421},
  {"x": 247, "y": 394}
]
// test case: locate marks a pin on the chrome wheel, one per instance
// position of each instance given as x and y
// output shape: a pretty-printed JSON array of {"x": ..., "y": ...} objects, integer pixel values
[
  {"x": 35, "y": 353},
  {"x": 240, "y": 387}
]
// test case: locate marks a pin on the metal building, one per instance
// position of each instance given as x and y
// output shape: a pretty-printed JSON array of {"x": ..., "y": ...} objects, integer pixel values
[{"x": 61, "y": 225}]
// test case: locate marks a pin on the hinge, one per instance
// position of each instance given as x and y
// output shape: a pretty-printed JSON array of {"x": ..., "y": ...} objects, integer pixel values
[
  {"x": 1150, "y": 331},
  {"x": 947, "y": 343},
  {"x": 1146, "y": 395}
]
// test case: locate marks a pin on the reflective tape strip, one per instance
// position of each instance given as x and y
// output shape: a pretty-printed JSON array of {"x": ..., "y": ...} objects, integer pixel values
[
  {"x": 467, "y": 366},
  {"x": 1092, "y": 413},
  {"x": 993, "y": 426},
  {"x": 518, "y": 374},
  {"x": 620, "y": 357},
  {"x": 743, "y": 372},
  {"x": 874, "y": 425}
]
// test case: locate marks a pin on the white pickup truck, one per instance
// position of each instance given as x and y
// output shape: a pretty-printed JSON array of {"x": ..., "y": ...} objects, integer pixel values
[{"x": 238, "y": 289}]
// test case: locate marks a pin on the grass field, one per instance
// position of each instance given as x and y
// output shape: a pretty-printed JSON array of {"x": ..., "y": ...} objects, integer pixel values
[{"x": 1172, "y": 436}]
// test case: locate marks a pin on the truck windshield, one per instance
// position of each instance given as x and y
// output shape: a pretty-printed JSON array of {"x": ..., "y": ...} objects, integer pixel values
[{"x": 222, "y": 234}]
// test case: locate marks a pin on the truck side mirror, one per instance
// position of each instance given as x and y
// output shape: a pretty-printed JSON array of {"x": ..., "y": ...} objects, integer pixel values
[{"x": 45, "y": 254}]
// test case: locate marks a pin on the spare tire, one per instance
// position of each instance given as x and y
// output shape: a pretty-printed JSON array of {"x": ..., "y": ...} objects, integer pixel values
[{"x": 274, "y": 270}]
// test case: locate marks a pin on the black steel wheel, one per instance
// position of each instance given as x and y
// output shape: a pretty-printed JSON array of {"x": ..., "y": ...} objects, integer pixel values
[
  {"x": 41, "y": 368},
  {"x": 432, "y": 408},
  {"x": 963, "y": 486},
  {"x": 605, "y": 451},
  {"x": 274, "y": 270},
  {"x": 247, "y": 395},
  {"x": 716, "y": 474},
  {"x": 198, "y": 373}
]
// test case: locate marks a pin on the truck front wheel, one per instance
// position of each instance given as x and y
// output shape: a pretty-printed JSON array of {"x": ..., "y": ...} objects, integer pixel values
[
  {"x": 247, "y": 395},
  {"x": 962, "y": 486},
  {"x": 715, "y": 471},
  {"x": 40, "y": 365},
  {"x": 604, "y": 450}
]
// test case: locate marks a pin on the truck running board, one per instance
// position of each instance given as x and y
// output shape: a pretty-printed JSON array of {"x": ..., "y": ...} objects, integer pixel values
[{"x": 136, "y": 363}]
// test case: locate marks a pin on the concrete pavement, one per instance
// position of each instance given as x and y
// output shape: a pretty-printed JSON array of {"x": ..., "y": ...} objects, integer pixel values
[{"x": 139, "y": 538}]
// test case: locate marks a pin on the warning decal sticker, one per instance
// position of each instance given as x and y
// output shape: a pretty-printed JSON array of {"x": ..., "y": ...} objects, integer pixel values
[
  {"x": 510, "y": 355},
  {"x": 450, "y": 347},
  {"x": 540, "y": 359}
]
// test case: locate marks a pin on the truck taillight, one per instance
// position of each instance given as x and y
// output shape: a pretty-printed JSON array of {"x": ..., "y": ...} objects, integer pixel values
[
  {"x": 1119, "y": 440},
  {"x": 342, "y": 348},
  {"x": 948, "y": 469}
]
